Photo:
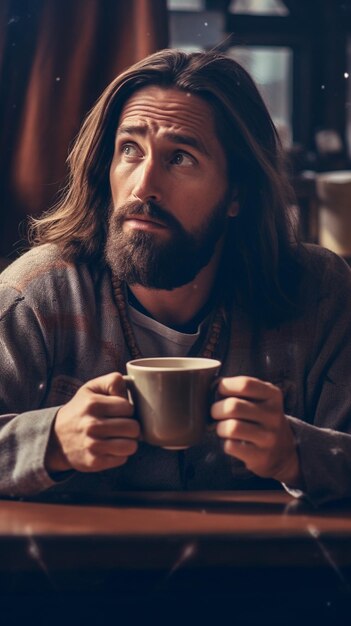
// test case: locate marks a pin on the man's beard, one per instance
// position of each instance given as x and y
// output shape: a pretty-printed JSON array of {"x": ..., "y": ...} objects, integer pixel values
[{"x": 158, "y": 262}]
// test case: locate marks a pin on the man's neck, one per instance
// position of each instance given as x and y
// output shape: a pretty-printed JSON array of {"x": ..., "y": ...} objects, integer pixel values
[{"x": 179, "y": 306}]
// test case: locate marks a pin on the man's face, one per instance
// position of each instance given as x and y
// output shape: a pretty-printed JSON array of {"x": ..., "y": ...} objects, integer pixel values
[{"x": 169, "y": 189}]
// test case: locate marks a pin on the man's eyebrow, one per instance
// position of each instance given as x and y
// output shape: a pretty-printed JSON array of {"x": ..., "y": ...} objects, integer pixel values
[
  {"x": 132, "y": 130},
  {"x": 176, "y": 138},
  {"x": 187, "y": 140}
]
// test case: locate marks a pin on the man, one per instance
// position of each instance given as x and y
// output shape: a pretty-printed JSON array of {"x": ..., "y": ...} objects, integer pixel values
[{"x": 173, "y": 238}]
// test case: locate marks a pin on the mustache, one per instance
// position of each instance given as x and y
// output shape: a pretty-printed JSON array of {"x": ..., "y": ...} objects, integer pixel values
[{"x": 148, "y": 209}]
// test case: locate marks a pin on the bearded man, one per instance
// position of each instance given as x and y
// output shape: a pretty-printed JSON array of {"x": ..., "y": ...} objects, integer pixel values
[{"x": 172, "y": 239}]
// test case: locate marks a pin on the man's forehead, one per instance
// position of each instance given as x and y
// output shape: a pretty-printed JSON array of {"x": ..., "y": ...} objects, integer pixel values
[{"x": 157, "y": 108}]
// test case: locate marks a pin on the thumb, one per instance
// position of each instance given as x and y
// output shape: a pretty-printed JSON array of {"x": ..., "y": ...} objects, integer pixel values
[{"x": 108, "y": 385}]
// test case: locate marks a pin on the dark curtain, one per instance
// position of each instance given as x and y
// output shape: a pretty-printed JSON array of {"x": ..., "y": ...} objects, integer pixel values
[{"x": 56, "y": 57}]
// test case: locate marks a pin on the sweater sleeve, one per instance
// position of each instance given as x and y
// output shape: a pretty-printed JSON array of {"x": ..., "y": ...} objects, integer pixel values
[
  {"x": 323, "y": 435},
  {"x": 23, "y": 442},
  {"x": 325, "y": 456},
  {"x": 24, "y": 373}
]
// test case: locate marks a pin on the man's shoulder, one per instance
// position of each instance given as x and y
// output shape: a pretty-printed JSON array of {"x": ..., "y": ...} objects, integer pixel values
[
  {"x": 319, "y": 261},
  {"x": 40, "y": 265},
  {"x": 42, "y": 279},
  {"x": 324, "y": 274}
]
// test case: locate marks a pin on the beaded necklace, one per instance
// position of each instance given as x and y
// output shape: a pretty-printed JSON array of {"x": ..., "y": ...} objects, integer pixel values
[{"x": 212, "y": 337}]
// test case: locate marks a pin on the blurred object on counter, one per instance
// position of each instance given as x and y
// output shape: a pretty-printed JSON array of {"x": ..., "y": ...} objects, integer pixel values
[{"x": 334, "y": 196}]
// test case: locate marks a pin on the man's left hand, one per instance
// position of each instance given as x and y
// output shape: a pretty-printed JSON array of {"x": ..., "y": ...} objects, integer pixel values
[{"x": 252, "y": 423}]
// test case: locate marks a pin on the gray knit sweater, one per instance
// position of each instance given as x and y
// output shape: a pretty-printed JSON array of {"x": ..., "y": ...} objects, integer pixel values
[{"x": 59, "y": 327}]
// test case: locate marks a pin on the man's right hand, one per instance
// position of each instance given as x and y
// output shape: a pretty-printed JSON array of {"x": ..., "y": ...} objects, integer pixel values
[{"x": 95, "y": 430}]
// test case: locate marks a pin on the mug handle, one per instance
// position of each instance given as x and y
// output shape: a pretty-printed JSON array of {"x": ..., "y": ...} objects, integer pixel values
[
  {"x": 214, "y": 396},
  {"x": 129, "y": 380}
]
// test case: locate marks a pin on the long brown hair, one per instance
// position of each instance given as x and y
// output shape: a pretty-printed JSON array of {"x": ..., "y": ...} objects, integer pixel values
[{"x": 260, "y": 249}]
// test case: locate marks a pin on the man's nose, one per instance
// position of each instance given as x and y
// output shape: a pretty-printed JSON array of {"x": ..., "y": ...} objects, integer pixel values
[{"x": 148, "y": 182}]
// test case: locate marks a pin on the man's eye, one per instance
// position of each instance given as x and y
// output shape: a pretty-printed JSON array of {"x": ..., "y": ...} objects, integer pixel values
[
  {"x": 129, "y": 150},
  {"x": 182, "y": 158}
]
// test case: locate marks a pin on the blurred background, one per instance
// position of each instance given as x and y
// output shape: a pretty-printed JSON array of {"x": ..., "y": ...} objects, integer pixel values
[{"x": 56, "y": 57}]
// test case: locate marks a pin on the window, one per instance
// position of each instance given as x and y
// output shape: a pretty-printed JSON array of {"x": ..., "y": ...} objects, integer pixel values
[
  {"x": 259, "y": 7},
  {"x": 192, "y": 28},
  {"x": 271, "y": 69},
  {"x": 193, "y": 31},
  {"x": 347, "y": 77},
  {"x": 186, "y": 5}
]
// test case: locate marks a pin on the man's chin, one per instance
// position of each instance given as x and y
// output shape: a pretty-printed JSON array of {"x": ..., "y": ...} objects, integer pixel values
[
  {"x": 140, "y": 258},
  {"x": 158, "y": 274}
]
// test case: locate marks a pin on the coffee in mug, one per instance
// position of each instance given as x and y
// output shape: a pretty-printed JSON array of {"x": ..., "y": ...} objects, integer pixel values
[{"x": 172, "y": 397}]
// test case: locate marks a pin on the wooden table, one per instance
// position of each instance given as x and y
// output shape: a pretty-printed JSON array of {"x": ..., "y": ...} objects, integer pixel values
[{"x": 251, "y": 548}]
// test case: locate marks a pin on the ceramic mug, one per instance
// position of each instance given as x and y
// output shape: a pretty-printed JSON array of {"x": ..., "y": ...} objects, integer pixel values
[{"x": 172, "y": 398}]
